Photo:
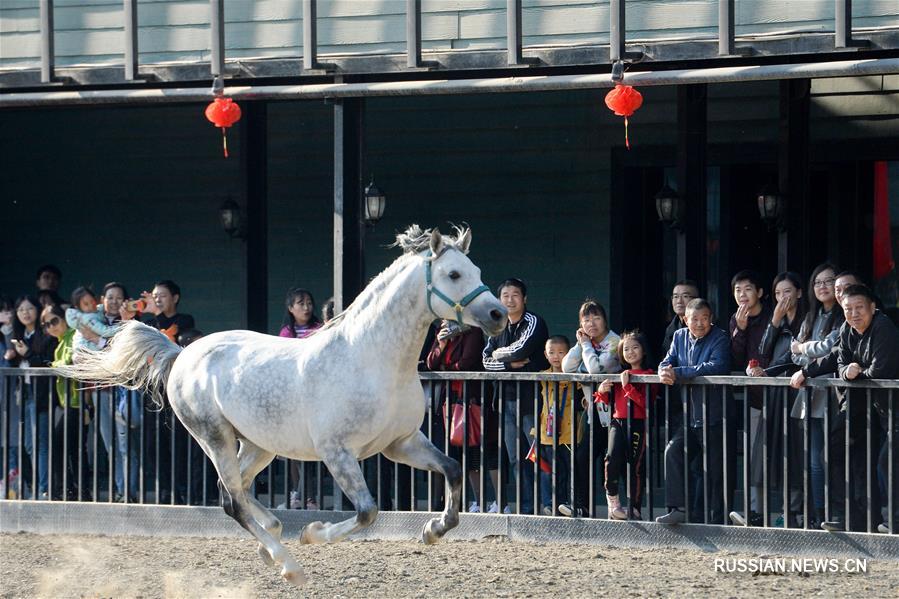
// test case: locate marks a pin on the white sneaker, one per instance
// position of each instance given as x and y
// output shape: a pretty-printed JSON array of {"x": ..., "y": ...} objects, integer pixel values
[
  {"x": 474, "y": 508},
  {"x": 492, "y": 508},
  {"x": 507, "y": 510}
]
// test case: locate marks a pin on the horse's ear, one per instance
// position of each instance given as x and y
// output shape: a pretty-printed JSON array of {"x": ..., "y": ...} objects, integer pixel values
[
  {"x": 464, "y": 241},
  {"x": 436, "y": 242}
]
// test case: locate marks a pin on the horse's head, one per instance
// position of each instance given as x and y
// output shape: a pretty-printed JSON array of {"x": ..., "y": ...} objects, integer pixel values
[{"x": 454, "y": 287}]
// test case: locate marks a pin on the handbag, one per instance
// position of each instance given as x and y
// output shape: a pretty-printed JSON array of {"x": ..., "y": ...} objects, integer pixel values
[{"x": 458, "y": 425}]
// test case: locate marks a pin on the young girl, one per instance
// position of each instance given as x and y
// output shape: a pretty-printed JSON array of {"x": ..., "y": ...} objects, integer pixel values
[
  {"x": 300, "y": 320},
  {"x": 626, "y": 446},
  {"x": 84, "y": 315}
]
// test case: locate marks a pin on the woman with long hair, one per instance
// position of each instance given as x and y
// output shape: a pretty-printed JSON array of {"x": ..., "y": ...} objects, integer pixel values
[
  {"x": 810, "y": 350},
  {"x": 34, "y": 349},
  {"x": 300, "y": 319}
]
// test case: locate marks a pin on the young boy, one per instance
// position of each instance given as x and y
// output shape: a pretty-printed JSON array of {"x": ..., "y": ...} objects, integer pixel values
[
  {"x": 747, "y": 327},
  {"x": 555, "y": 417}
]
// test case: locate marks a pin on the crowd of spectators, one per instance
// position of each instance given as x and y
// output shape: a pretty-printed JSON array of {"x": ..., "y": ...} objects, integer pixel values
[
  {"x": 829, "y": 328},
  {"x": 41, "y": 329}
]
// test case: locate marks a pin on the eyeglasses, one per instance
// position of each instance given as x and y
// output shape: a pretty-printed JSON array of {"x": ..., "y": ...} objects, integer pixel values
[
  {"x": 686, "y": 296},
  {"x": 23, "y": 309},
  {"x": 824, "y": 282},
  {"x": 50, "y": 323},
  {"x": 589, "y": 319}
]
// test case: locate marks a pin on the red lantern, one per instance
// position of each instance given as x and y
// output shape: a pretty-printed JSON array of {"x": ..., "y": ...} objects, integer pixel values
[
  {"x": 223, "y": 112},
  {"x": 624, "y": 101}
]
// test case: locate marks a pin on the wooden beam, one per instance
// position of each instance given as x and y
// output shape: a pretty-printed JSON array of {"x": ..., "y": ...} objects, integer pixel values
[
  {"x": 254, "y": 157},
  {"x": 349, "y": 230},
  {"x": 131, "y": 47},
  {"x": 217, "y": 33},
  {"x": 413, "y": 34},
  {"x": 310, "y": 35},
  {"x": 48, "y": 52},
  {"x": 793, "y": 173},
  {"x": 692, "y": 163}
]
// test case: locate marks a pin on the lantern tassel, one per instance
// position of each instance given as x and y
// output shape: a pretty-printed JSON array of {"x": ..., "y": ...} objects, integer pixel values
[
  {"x": 627, "y": 143},
  {"x": 225, "y": 141}
]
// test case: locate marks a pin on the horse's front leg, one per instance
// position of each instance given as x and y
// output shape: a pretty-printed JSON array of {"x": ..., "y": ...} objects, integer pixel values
[
  {"x": 417, "y": 451},
  {"x": 347, "y": 473}
]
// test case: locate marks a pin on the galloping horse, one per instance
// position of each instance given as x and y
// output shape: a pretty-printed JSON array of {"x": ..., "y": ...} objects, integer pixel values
[{"x": 346, "y": 393}]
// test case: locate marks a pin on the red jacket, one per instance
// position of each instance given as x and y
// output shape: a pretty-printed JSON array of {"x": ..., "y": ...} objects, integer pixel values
[{"x": 635, "y": 393}]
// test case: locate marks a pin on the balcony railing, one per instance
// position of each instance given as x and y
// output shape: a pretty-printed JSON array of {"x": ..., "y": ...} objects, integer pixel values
[{"x": 108, "y": 446}]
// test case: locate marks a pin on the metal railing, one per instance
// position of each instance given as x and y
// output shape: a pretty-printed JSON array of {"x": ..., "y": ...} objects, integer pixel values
[{"x": 108, "y": 446}]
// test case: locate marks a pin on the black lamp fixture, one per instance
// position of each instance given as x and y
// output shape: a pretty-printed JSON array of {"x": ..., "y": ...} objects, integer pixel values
[
  {"x": 670, "y": 208},
  {"x": 232, "y": 221},
  {"x": 375, "y": 202},
  {"x": 772, "y": 208}
]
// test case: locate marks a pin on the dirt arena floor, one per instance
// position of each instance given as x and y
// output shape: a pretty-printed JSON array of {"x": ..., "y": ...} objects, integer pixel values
[{"x": 103, "y": 566}]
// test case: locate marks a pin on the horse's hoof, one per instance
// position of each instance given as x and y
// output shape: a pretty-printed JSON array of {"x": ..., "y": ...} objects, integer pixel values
[
  {"x": 264, "y": 554},
  {"x": 312, "y": 533},
  {"x": 428, "y": 535},
  {"x": 295, "y": 577}
]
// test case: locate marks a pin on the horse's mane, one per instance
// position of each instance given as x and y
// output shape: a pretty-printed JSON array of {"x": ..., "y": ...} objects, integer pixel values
[{"x": 413, "y": 241}]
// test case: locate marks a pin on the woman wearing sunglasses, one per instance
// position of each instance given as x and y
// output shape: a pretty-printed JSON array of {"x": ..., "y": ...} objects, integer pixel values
[{"x": 66, "y": 421}]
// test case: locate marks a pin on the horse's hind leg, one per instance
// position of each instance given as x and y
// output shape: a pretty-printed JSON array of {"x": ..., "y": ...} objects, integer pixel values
[
  {"x": 253, "y": 459},
  {"x": 346, "y": 472},
  {"x": 237, "y": 503},
  {"x": 417, "y": 451}
]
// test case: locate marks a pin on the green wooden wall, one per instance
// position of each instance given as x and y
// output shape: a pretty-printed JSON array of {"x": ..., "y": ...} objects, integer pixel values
[
  {"x": 91, "y": 31},
  {"x": 133, "y": 193}
]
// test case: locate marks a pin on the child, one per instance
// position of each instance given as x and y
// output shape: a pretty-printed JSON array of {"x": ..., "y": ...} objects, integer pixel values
[
  {"x": 627, "y": 446},
  {"x": 555, "y": 419},
  {"x": 84, "y": 315},
  {"x": 300, "y": 320}
]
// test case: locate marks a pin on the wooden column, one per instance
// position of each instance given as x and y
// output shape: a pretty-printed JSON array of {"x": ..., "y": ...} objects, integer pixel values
[
  {"x": 691, "y": 180},
  {"x": 793, "y": 174},
  {"x": 349, "y": 229},
  {"x": 255, "y": 159}
]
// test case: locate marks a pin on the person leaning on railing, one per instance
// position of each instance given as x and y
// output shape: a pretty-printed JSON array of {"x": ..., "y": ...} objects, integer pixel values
[
  {"x": 68, "y": 428},
  {"x": 868, "y": 348},
  {"x": 32, "y": 348},
  {"x": 699, "y": 350},
  {"x": 810, "y": 351}
]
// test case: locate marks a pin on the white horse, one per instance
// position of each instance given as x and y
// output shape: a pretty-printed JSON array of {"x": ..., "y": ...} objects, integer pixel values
[{"x": 346, "y": 393}]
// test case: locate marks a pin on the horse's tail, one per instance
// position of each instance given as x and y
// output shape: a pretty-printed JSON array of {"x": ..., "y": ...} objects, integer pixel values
[{"x": 138, "y": 357}]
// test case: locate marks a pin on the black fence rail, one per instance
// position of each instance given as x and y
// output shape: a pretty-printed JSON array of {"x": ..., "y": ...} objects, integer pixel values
[{"x": 723, "y": 449}]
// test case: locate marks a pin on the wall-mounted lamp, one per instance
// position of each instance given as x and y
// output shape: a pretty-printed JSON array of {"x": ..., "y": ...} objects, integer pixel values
[
  {"x": 772, "y": 208},
  {"x": 232, "y": 220},
  {"x": 670, "y": 208},
  {"x": 374, "y": 203}
]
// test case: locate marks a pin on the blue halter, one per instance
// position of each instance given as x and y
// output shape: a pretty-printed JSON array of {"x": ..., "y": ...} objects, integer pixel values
[{"x": 459, "y": 306}]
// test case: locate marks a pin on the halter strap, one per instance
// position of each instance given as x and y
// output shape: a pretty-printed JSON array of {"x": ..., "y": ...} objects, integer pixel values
[{"x": 459, "y": 306}]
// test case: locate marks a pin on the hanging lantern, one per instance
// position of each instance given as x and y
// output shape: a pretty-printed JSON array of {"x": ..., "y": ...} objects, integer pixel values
[
  {"x": 624, "y": 101},
  {"x": 223, "y": 112}
]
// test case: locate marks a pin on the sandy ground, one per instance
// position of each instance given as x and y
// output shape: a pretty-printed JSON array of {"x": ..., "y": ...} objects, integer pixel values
[{"x": 103, "y": 566}]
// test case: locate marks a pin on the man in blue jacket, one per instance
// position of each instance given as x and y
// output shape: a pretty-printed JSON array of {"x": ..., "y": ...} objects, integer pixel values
[{"x": 700, "y": 349}]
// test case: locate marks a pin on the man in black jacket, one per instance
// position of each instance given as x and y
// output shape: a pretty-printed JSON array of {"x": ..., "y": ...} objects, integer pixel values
[
  {"x": 868, "y": 348},
  {"x": 519, "y": 348}
]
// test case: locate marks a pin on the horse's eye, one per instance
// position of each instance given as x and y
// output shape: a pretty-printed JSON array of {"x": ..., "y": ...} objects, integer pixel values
[{"x": 454, "y": 275}]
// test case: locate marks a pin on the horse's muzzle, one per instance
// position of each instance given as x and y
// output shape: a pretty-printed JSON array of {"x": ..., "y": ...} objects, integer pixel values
[{"x": 492, "y": 318}]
